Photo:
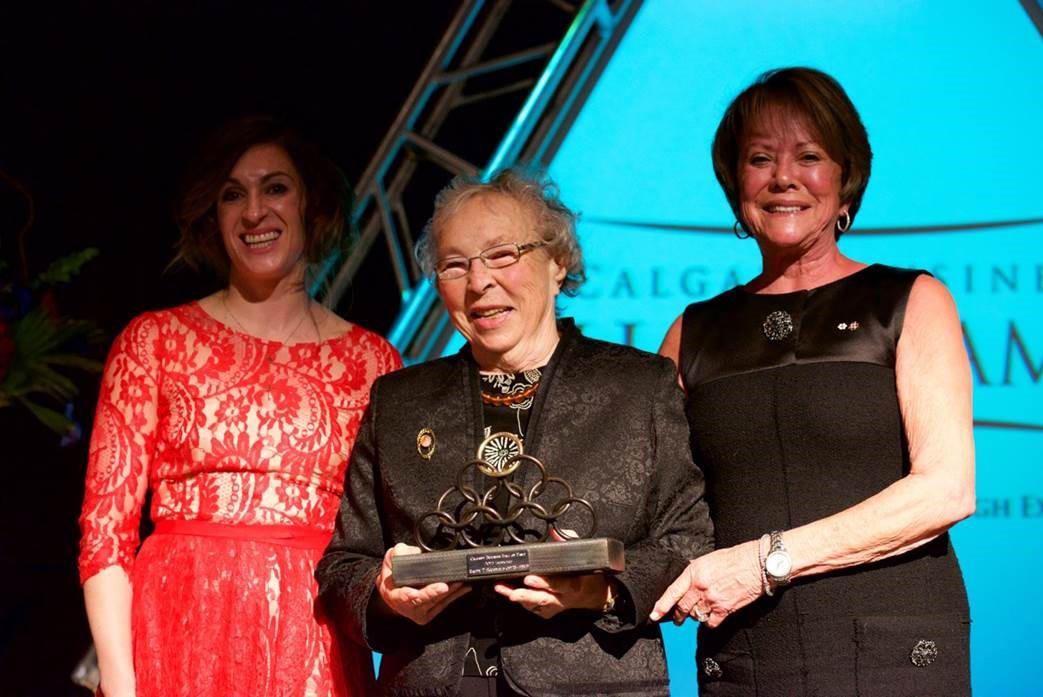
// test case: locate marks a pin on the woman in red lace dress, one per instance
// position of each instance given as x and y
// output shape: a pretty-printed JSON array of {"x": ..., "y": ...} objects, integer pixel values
[{"x": 238, "y": 412}]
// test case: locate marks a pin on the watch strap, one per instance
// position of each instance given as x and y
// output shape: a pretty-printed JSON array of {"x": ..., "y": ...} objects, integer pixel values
[{"x": 775, "y": 545}]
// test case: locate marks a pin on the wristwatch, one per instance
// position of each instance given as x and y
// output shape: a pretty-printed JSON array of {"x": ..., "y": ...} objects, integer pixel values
[{"x": 777, "y": 563}]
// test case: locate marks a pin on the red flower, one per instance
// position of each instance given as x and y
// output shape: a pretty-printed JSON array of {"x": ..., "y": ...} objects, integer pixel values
[
  {"x": 232, "y": 410},
  {"x": 222, "y": 355},
  {"x": 135, "y": 391},
  {"x": 170, "y": 346}
]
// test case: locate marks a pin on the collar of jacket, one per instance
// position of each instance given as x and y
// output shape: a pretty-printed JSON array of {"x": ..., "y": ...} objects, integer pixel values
[{"x": 568, "y": 334}]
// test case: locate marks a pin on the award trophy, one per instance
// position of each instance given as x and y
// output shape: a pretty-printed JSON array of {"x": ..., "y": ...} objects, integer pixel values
[{"x": 504, "y": 531}]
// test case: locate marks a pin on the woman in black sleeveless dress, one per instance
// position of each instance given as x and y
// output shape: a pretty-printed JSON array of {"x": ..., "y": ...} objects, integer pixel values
[{"x": 830, "y": 408}]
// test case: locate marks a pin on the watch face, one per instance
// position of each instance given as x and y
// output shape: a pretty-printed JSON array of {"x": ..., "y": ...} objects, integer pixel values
[{"x": 778, "y": 564}]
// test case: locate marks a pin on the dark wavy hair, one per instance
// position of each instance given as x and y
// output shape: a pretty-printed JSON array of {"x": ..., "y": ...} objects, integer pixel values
[
  {"x": 814, "y": 99},
  {"x": 328, "y": 197}
]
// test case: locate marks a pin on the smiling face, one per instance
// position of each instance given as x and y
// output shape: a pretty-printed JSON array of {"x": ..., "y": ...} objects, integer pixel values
[
  {"x": 789, "y": 186},
  {"x": 507, "y": 315},
  {"x": 260, "y": 212}
]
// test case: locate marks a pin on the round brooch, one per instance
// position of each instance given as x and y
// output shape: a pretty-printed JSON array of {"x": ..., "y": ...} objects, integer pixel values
[
  {"x": 778, "y": 325},
  {"x": 495, "y": 452},
  {"x": 924, "y": 653}
]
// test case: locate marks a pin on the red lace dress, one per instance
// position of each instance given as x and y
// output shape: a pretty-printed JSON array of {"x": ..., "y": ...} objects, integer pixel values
[{"x": 244, "y": 444}]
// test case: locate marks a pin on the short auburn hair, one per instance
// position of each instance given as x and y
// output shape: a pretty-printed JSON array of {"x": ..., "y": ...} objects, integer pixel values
[
  {"x": 327, "y": 195},
  {"x": 812, "y": 98}
]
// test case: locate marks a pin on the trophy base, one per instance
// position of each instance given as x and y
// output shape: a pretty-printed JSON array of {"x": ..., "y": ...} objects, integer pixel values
[{"x": 602, "y": 554}]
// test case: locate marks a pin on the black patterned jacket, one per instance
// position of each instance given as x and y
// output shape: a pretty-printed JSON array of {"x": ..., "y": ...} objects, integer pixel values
[{"x": 607, "y": 418}]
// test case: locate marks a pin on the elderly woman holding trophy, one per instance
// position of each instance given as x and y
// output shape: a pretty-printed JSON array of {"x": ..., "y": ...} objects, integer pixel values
[{"x": 535, "y": 434}]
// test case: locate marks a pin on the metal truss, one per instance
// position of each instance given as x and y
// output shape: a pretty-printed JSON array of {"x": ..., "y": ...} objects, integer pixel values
[{"x": 558, "y": 74}]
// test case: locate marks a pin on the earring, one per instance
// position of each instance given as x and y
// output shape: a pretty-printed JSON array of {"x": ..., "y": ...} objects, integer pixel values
[
  {"x": 739, "y": 231},
  {"x": 847, "y": 222}
]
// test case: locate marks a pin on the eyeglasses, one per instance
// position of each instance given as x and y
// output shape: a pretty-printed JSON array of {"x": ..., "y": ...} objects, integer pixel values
[{"x": 498, "y": 257}]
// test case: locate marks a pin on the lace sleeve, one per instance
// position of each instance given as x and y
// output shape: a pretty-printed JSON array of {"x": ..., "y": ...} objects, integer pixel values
[
  {"x": 390, "y": 360},
  {"x": 120, "y": 450}
]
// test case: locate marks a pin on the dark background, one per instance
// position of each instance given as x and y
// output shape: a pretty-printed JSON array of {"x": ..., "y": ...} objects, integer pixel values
[{"x": 101, "y": 106}]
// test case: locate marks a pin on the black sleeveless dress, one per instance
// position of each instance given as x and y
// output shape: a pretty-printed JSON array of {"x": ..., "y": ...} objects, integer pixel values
[{"x": 794, "y": 416}]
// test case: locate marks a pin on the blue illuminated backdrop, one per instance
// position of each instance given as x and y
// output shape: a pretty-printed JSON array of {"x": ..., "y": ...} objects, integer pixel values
[{"x": 952, "y": 96}]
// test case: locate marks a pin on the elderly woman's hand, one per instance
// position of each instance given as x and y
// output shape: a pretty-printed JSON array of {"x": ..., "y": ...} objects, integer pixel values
[
  {"x": 546, "y": 596},
  {"x": 714, "y": 586},
  {"x": 420, "y": 605}
]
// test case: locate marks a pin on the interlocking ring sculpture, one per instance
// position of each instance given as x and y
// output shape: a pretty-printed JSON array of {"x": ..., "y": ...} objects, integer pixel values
[{"x": 475, "y": 521}]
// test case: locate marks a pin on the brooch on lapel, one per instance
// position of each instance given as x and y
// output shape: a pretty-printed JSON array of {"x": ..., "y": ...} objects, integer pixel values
[{"x": 425, "y": 443}]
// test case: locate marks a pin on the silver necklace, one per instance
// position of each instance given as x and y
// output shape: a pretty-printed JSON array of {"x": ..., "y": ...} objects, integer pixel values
[{"x": 269, "y": 356}]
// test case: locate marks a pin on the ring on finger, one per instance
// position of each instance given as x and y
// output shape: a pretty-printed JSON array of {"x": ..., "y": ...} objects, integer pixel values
[{"x": 700, "y": 614}]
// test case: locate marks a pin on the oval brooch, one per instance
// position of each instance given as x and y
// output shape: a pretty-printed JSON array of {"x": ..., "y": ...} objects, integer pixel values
[{"x": 425, "y": 443}]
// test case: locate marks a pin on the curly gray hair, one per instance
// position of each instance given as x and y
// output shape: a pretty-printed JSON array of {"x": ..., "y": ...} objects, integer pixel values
[{"x": 555, "y": 223}]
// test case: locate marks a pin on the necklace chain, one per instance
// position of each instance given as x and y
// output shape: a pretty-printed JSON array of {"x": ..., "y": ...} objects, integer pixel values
[{"x": 228, "y": 309}]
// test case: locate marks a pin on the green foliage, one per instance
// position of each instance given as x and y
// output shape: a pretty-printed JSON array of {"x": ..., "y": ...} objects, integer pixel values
[
  {"x": 38, "y": 338},
  {"x": 43, "y": 345},
  {"x": 48, "y": 417},
  {"x": 62, "y": 270}
]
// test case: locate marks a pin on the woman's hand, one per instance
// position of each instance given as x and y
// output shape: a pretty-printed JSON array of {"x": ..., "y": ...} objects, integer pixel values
[
  {"x": 713, "y": 586},
  {"x": 546, "y": 596},
  {"x": 421, "y": 605}
]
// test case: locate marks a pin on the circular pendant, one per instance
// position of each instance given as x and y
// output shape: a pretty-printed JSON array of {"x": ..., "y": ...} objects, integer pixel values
[
  {"x": 496, "y": 451},
  {"x": 778, "y": 325}
]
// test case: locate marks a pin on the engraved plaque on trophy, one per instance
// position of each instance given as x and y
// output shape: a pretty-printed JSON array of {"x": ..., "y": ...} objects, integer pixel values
[{"x": 505, "y": 530}]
